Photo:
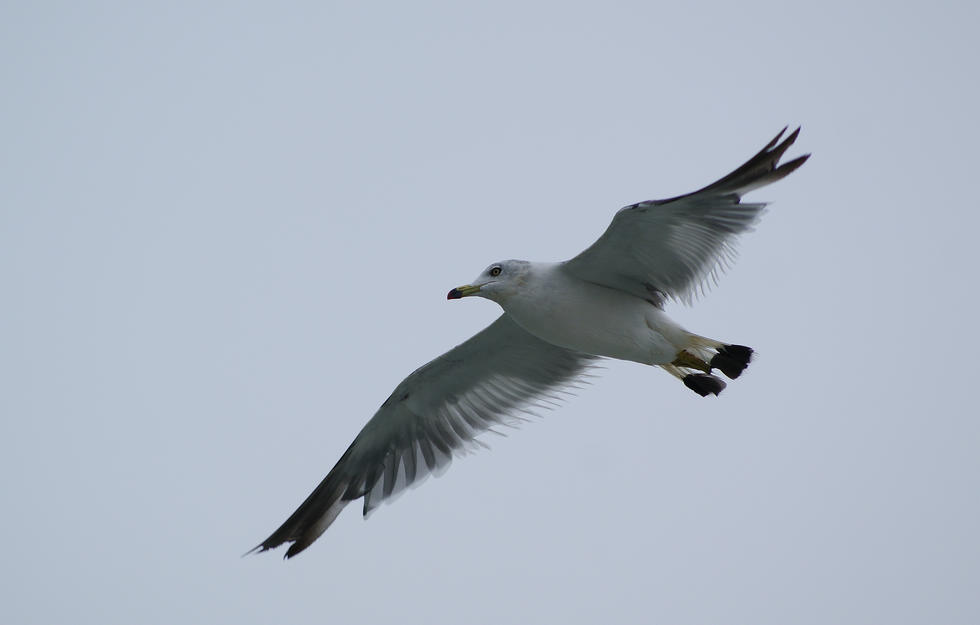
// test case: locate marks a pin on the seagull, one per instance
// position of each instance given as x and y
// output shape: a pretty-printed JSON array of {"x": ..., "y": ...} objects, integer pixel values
[{"x": 559, "y": 319}]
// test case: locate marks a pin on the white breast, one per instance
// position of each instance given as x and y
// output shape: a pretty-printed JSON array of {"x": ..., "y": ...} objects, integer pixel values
[{"x": 586, "y": 317}]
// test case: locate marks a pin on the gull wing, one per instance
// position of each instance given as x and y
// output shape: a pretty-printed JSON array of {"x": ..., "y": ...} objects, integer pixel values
[
  {"x": 435, "y": 413},
  {"x": 669, "y": 248}
]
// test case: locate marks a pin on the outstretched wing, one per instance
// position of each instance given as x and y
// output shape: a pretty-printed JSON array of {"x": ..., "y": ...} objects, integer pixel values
[
  {"x": 669, "y": 248},
  {"x": 436, "y": 412}
]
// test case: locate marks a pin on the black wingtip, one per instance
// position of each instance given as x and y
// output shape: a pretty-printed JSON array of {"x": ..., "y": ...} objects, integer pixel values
[
  {"x": 260, "y": 548},
  {"x": 791, "y": 139},
  {"x": 763, "y": 168},
  {"x": 292, "y": 552},
  {"x": 790, "y": 166},
  {"x": 776, "y": 139},
  {"x": 773, "y": 154}
]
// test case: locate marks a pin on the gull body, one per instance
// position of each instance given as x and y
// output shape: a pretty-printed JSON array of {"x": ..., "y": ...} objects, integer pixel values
[
  {"x": 558, "y": 320},
  {"x": 564, "y": 310}
]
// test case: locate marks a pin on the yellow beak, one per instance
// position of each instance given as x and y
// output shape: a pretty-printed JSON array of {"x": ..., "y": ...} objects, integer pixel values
[{"x": 463, "y": 291}]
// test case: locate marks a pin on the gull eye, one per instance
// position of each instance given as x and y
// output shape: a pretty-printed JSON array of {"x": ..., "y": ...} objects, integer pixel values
[{"x": 495, "y": 271}]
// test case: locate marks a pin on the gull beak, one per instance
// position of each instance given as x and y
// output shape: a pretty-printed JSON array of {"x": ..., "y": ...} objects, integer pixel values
[{"x": 463, "y": 291}]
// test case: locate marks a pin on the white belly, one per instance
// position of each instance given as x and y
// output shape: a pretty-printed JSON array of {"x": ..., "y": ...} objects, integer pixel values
[{"x": 597, "y": 320}]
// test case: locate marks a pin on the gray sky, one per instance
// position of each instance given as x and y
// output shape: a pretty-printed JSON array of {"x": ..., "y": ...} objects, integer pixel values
[{"x": 227, "y": 231}]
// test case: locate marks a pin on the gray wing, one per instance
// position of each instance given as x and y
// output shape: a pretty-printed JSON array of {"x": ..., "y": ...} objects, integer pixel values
[
  {"x": 669, "y": 248},
  {"x": 437, "y": 412}
]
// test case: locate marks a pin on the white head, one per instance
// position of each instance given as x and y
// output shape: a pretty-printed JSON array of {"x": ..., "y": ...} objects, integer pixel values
[{"x": 497, "y": 282}]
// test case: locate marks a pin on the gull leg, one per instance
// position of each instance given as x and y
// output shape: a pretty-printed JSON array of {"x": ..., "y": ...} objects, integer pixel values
[
  {"x": 687, "y": 359},
  {"x": 701, "y": 383},
  {"x": 732, "y": 359},
  {"x": 704, "y": 384}
]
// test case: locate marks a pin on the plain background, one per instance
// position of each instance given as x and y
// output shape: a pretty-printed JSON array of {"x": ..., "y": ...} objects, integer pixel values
[{"x": 227, "y": 231}]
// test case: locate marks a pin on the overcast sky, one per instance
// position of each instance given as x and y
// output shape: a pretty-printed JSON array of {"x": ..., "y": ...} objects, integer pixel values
[{"x": 227, "y": 231}]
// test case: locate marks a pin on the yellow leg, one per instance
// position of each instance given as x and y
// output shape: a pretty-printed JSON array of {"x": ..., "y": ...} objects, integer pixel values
[{"x": 689, "y": 360}]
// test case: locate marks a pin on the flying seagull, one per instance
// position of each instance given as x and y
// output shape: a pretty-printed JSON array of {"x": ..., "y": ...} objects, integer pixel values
[{"x": 558, "y": 320}]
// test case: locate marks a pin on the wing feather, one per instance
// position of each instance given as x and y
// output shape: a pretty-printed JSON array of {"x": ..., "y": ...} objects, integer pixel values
[
  {"x": 435, "y": 413},
  {"x": 676, "y": 248}
]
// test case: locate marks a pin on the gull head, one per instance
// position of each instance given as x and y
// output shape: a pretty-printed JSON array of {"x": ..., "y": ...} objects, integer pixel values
[{"x": 497, "y": 282}]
